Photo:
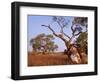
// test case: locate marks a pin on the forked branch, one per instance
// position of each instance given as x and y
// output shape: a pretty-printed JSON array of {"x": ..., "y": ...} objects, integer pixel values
[
  {"x": 50, "y": 29},
  {"x": 55, "y": 32}
]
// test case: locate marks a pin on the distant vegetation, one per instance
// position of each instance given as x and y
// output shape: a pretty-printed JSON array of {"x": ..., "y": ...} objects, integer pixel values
[{"x": 43, "y": 43}]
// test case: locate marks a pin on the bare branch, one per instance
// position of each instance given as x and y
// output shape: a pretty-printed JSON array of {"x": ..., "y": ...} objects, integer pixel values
[
  {"x": 61, "y": 31},
  {"x": 66, "y": 35},
  {"x": 77, "y": 34},
  {"x": 50, "y": 29},
  {"x": 71, "y": 38},
  {"x": 55, "y": 33},
  {"x": 72, "y": 28}
]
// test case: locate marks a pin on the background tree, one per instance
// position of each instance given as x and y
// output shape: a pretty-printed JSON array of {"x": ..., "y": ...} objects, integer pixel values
[
  {"x": 79, "y": 25},
  {"x": 43, "y": 43}
]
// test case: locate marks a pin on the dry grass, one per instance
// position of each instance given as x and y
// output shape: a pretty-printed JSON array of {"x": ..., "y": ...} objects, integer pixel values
[
  {"x": 58, "y": 58},
  {"x": 47, "y": 59}
]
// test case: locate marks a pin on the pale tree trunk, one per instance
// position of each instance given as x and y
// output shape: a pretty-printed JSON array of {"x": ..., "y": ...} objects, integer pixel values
[{"x": 67, "y": 43}]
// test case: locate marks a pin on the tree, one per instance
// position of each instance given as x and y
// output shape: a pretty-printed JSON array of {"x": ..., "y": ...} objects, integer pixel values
[
  {"x": 43, "y": 43},
  {"x": 77, "y": 26},
  {"x": 82, "y": 42}
]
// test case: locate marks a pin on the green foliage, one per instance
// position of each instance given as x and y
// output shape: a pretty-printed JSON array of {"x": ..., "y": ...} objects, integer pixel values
[
  {"x": 80, "y": 20},
  {"x": 43, "y": 43},
  {"x": 82, "y": 37},
  {"x": 61, "y": 21},
  {"x": 82, "y": 42}
]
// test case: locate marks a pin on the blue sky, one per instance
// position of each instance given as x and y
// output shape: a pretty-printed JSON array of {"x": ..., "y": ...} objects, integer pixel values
[{"x": 35, "y": 28}]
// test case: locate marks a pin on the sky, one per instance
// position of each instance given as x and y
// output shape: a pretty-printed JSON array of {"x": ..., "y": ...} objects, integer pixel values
[{"x": 35, "y": 28}]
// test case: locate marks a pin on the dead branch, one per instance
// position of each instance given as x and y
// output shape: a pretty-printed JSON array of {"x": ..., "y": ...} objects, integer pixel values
[
  {"x": 58, "y": 35},
  {"x": 50, "y": 29},
  {"x": 66, "y": 35},
  {"x": 61, "y": 31}
]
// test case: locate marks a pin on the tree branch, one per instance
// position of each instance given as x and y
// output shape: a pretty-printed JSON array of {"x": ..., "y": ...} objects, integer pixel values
[
  {"x": 61, "y": 31},
  {"x": 66, "y": 35},
  {"x": 50, "y": 29},
  {"x": 77, "y": 34},
  {"x": 74, "y": 36},
  {"x": 55, "y": 33},
  {"x": 86, "y": 29},
  {"x": 72, "y": 28},
  {"x": 60, "y": 36}
]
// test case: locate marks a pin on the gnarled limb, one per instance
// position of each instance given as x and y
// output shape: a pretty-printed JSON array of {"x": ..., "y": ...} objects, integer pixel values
[
  {"x": 58, "y": 35},
  {"x": 51, "y": 30}
]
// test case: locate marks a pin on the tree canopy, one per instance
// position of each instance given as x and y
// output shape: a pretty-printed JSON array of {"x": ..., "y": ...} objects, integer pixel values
[
  {"x": 82, "y": 42},
  {"x": 43, "y": 43}
]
